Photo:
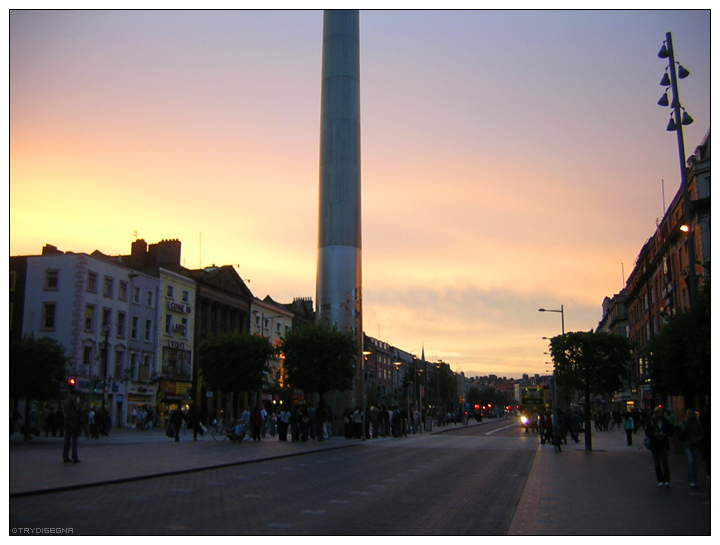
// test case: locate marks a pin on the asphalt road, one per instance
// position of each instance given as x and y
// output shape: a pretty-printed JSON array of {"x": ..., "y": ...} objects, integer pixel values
[{"x": 466, "y": 481}]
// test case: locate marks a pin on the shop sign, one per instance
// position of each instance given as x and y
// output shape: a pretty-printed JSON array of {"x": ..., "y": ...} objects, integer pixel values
[
  {"x": 172, "y": 388},
  {"x": 179, "y": 307}
]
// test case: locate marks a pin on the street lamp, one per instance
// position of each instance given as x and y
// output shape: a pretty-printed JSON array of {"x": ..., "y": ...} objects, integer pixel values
[
  {"x": 676, "y": 124},
  {"x": 562, "y": 317},
  {"x": 364, "y": 370},
  {"x": 106, "y": 333},
  {"x": 398, "y": 364}
]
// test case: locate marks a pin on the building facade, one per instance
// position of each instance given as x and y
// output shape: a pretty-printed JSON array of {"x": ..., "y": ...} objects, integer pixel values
[
  {"x": 104, "y": 314},
  {"x": 658, "y": 286}
]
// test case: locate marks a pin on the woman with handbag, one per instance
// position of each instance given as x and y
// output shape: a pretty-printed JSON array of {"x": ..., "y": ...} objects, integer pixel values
[{"x": 659, "y": 430}]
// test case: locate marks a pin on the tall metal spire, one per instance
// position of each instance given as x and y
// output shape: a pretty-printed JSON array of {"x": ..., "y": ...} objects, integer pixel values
[{"x": 339, "y": 266}]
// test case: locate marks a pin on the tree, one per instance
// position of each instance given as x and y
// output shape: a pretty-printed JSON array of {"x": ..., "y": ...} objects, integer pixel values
[
  {"x": 37, "y": 371},
  {"x": 320, "y": 358},
  {"x": 234, "y": 363},
  {"x": 442, "y": 386},
  {"x": 679, "y": 361},
  {"x": 591, "y": 363}
]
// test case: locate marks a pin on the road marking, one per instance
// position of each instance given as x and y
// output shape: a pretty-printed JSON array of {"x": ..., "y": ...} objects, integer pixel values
[
  {"x": 501, "y": 429},
  {"x": 314, "y": 512}
]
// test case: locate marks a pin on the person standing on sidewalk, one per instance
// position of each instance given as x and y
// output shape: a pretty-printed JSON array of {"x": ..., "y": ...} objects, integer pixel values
[
  {"x": 194, "y": 421},
  {"x": 629, "y": 426},
  {"x": 72, "y": 425},
  {"x": 659, "y": 431},
  {"x": 176, "y": 420},
  {"x": 691, "y": 436}
]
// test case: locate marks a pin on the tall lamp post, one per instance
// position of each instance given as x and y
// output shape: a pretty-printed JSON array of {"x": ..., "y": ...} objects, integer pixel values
[
  {"x": 398, "y": 364},
  {"x": 562, "y": 318},
  {"x": 676, "y": 124},
  {"x": 364, "y": 371},
  {"x": 106, "y": 333}
]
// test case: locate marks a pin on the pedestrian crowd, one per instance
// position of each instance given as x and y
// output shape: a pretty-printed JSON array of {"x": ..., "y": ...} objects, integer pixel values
[{"x": 692, "y": 435}]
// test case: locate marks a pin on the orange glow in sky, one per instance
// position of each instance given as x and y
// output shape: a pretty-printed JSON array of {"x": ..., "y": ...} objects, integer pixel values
[{"x": 511, "y": 160}]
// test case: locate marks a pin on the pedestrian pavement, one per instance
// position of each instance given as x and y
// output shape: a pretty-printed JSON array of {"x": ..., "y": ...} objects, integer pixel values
[
  {"x": 36, "y": 466},
  {"x": 610, "y": 490}
]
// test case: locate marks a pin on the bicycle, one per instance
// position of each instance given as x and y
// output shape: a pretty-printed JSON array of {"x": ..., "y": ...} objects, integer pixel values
[{"x": 221, "y": 433}]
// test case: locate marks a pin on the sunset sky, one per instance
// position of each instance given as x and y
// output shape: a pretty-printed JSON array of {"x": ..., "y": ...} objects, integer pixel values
[{"x": 511, "y": 160}]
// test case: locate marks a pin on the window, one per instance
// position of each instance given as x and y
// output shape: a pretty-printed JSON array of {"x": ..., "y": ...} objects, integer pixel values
[
  {"x": 89, "y": 318},
  {"x": 136, "y": 295},
  {"x": 87, "y": 355},
  {"x": 119, "y": 367},
  {"x": 186, "y": 297},
  {"x": 134, "y": 327},
  {"x": 108, "y": 286},
  {"x": 51, "y": 279},
  {"x": 92, "y": 282},
  {"x": 148, "y": 330},
  {"x": 171, "y": 292},
  {"x": 149, "y": 299},
  {"x": 185, "y": 327},
  {"x": 120, "y": 324},
  {"x": 133, "y": 366},
  {"x": 123, "y": 292},
  {"x": 106, "y": 316},
  {"x": 168, "y": 324},
  {"x": 145, "y": 375},
  {"x": 48, "y": 317}
]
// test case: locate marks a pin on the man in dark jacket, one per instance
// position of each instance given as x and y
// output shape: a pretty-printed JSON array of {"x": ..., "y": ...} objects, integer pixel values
[
  {"x": 72, "y": 415},
  {"x": 176, "y": 420},
  {"x": 659, "y": 430}
]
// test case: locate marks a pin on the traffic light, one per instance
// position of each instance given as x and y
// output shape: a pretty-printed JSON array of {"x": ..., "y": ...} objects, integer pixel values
[{"x": 71, "y": 382}]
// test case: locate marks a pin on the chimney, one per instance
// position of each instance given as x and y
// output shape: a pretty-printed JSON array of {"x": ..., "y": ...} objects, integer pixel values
[
  {"x": 138, "y": 254},
  {"x": 49, "y": 249},
  {"x": 165, "y": 253}
]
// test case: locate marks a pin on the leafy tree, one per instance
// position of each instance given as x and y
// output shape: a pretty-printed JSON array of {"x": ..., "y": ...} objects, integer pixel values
[
  {"x": 591, "y": 363},
  {"x": 320, "y": 358},
  {"x": 234, "y": 363},
  {"x": 474, "y": 396},
  {"x": 679, "y": 362},
  {"x": 37, "y": 371}
]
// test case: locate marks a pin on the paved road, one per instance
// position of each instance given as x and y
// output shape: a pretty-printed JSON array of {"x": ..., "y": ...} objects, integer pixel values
[
  {"x": 464, "y": 483},
  {"x": 482, "y": 479}
]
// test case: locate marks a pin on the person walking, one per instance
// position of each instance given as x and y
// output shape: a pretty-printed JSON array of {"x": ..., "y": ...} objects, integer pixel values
[
  {"x": 93, "y": 422},
  {"x": 659, "y": 430},
  {"x": 347, "y": 421},
  {"x": 691, "y": 436},
  {"x": 257, "y": 423},
  {"x": 195, "y": 421},
  {"x": 283, "y": 423},
  {"x": 176, "y": 420},
  {"x": 629, "y": 427},
  {"x": 72, "y": 416}
]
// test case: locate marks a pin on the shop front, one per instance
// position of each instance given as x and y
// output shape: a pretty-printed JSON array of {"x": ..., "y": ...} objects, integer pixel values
[
  {"x": 140, "y": 397},
  {"x": 170, "y": 396}
]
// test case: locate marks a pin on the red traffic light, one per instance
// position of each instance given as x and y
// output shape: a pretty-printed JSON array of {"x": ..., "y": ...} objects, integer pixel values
[{"x": 71, "y": 382}]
